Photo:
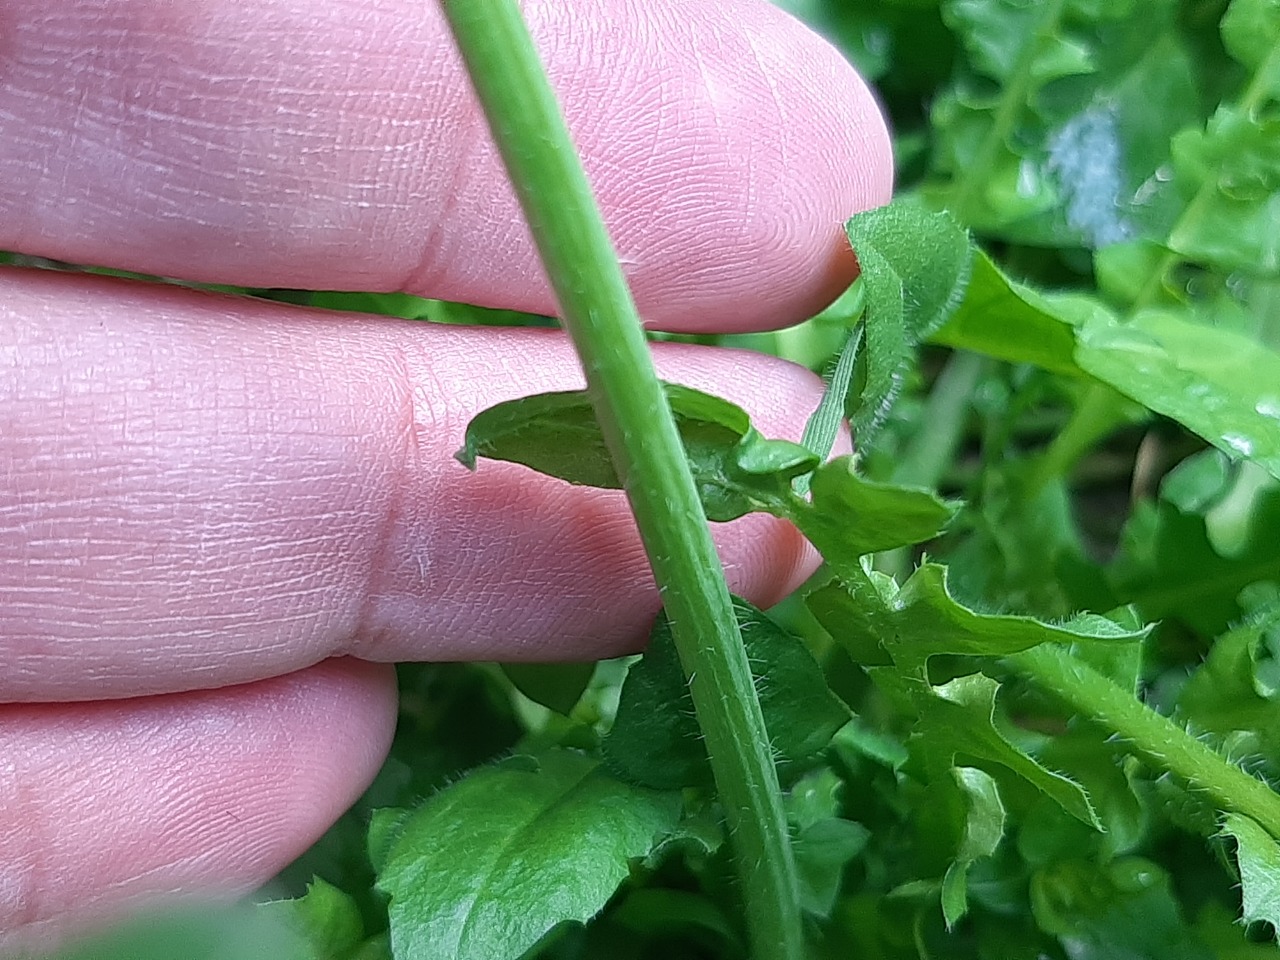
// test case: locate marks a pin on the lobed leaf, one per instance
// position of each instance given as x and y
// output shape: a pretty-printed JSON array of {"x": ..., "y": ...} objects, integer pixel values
[
  {"x": 984, "y": 825},
  {"x": 1258, "y": 860},
  {"x": 959, "y": 721},
  {"x": 485, "y": 868},
  {"x": 921, "y": 619}
]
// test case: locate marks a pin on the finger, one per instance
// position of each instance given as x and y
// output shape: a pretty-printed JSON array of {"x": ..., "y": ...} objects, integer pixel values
[
  {"x": 205, "y": 490},
  {"x": 107, "y": 806},
  {"x": 337, "y": 146}
]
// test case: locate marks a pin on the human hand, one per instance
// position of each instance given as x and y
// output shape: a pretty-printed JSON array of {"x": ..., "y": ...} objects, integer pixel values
[{"x": 206, "y": 497}]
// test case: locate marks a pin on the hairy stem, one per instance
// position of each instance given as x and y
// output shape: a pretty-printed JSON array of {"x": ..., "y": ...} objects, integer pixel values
[
  {"x": 1152, "y": 734},
  {"x": 601, "y": 319}
]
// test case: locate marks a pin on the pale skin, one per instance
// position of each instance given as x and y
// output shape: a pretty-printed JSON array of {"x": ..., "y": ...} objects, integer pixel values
[{"x": 221, "y": 519}]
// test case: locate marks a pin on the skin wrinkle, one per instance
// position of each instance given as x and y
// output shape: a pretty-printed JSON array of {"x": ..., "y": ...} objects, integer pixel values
[
  {"x": 433, "y": 260},
  {"x": 197, "y": 148},
  {"x": 273, "y": 487},
  {"x": 404, "y": 463}
]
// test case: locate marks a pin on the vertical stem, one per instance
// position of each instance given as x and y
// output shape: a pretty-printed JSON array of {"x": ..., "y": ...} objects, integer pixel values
[
  {"x": 1013, "y": 101},
  {"x": 942, "y": 423},
  {"x": 637, "y": 424},
  {"x": 934, "y": 445}
]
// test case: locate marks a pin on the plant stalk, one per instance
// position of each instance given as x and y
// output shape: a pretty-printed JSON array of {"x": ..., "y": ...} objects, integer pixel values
[
  {"x": 602, "y": 322},
  {"x": 1152, "y": 734}
]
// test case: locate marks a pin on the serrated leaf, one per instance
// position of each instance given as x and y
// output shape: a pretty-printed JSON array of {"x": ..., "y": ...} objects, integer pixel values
[
  {"x": 922, "y": 619},
  {"x": 736, "y": 469},
  {"x": 326, "y": 917},
  {"x": 1223, "y": 700},
  {"x": 1258, "y": 860},
  {"x": 959, "y": 720},
  {"x": 983, "y": 829},
  {"x": 915, "y": 265},
  {"x": 655, "y": 739},
  {"x": 485, "y": 868}
]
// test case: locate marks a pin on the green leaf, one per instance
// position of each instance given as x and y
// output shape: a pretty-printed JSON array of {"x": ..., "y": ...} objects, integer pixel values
[
  {"x": 326, "y": 917},
  {"x": 959, "y": 721},
  {"x": 1251, "y": 32},
  {"x": 655, "y": 741},
  {"x": 823, "y": 851},
  {"x": 825, "y": 843},
  {"x": 557, "y": 433},
  {"x": 1218, "y": 384},
  {"x": 983, "y": 829},
  {"x": 1008, "y": 39},
  {"x": 1063, "y": 149},
  {"x": 1226, "y": 700},
  {"x": 1232, "y": 166},
  {"x": 485, "y": 868},
  {"x": 735, "y": 468},
  {"x": 823, "y": 425},
  {"x": 1169, "y": 566},
  {"x": 1009, "y": 321},
  {"x": 1258, "y": 860},
  {"x": 922, "y": 619},
  {"x": 915, "y": 265},
  {"x": 557, "y": 686},
  {"x": 850, "y": 516},
  {"x": 1124, "y": 908}
]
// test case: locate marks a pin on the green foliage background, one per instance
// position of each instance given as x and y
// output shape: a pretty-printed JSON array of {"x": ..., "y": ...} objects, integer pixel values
[{"x": 1095, "y": 393}]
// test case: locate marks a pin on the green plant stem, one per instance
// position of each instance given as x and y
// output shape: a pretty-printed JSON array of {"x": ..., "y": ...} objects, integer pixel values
[
  {"x": 1012, "y": 101},
  {"x": 933, "y": 446},
  {"x": 601, "y": 319},
  {"x": 1093, "y": 419},
  {"x": 1167, "y": 744}
]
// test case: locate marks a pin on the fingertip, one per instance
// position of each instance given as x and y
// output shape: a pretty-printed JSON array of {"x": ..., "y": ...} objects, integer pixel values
[{"x": 116, "y": 805}]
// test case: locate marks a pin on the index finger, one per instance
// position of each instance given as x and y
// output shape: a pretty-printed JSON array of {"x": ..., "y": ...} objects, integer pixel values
[{"x": 338, "y": 146}]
